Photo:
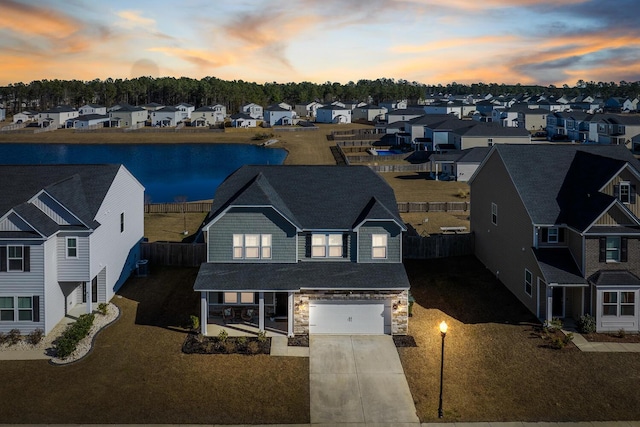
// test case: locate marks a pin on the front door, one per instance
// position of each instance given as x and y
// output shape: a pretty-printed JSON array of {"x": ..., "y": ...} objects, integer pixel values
[
  {"x": 94, "y": 290},
  {"x": 282, "y": 304},
  {"x": 557, "y": 309}
]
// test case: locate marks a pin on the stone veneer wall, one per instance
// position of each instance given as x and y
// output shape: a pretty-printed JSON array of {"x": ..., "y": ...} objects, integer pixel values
[{"x": 399, "y": 315}]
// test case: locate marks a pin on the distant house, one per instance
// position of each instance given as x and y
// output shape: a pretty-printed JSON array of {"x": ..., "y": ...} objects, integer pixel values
[
  {"x": 3, "y": 114},
  {"x": 393, "y": 104},
  {"x": 458, "y": 164},
  {"x": 185, "y": 110},
  {"x": 558, "y": 224},
  {"x": 25, "y": 116},
  {"x": 403, "y": 114},
  {"x": 278, "y": 116},
  {"x": 87, "y": 120},
  {"x": 69, "y": 239},
  {"x": 166, "y": 116},
  {"x": 57, "y": 116},
  {"x": 305, "y": 250},
  {"x": 241, "y": 120},
  {"x": 307, "y": 109},
  {"x": 88, "y": 109},
  {"x": 369, "y": 113},
  {"x": 208, "y": 116},
  {"x": 333, "y": 114},
  {"x": 282, "y": 105},
  {"x": 533, "y": 119},
  {"x": 127, "y": 115},
  {"x": 254, "y": 110}
]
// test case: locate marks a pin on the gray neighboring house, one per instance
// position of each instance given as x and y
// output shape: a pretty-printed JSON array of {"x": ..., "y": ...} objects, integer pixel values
[
  {"x": 318, "y": 248},
  {"x": 460, "y": 165},
  {"x": 69, "y": 238},
  {"x": 558, "y": 225},
  {"x": 87, "y": 120}
]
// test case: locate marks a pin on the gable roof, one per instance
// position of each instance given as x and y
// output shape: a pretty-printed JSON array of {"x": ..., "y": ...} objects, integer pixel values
[
  {"x": 79, "y": 188},
  {"x": 560, "y": 183},
  {"x": 311, "y": 197}
]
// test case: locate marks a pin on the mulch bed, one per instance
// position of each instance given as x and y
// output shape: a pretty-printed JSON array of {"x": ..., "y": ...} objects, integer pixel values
[
  {"x": 404, "y": 341},
  {"x": 198, "y": 344},
  {"x": 612, "y": 337},
  {"x": 299, "y": 341}
]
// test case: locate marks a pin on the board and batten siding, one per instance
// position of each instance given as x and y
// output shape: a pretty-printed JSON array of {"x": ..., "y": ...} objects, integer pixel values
[
  {"x": 254, "y": 220},
  {"x": 114, "y": 251},
  {"x": 394, "y": 241},
  {"x": 72, "y": 269},
  {"x": 505, "y": 248},
  {"x": 25, "y": 284}
]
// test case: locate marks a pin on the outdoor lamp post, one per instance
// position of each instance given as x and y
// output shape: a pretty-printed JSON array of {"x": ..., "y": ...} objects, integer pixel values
[{"x": 443, "y": 333}]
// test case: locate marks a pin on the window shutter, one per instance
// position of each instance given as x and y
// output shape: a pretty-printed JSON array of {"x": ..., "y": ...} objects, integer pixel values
[
  {"x": 3, "y": 258},
  {"x": 307, "y": 245},
  {"x": 561, "y": 235},
  {"x": 35, "y": 303},
  {"x": 345, "y": 245},
  {"x": 632, "y": 196},
  {"x": 603, "y": 249},
  {"x": 27, "y": 258},
  {"x": 545, "y": 235},
  {"x": 616, "y": 191},
  {"x": 623, "y": 249}
]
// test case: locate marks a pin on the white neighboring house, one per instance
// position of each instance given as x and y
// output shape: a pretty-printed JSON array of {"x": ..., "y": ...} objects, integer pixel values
[
  {"x": 333, "y": 114},
  {"x": 393, "y": 105},
  {"x": 57, "y": 116},
  {"x": 307, "y": 109},
  {"x": 165, "y": 116},
  {"x": 69, "y": 238},
  {"x": 186, "y": 110},
  {"x": 241, "y": 120},
  {"x": 25, "y": 116},
  {"x": 278, "y": 116},
  {"x": 85, "y": 121},
  {"x": 88, "y": 109},
  {"x": 254, "y": 110},
  {"x": 369, "y": 113}
]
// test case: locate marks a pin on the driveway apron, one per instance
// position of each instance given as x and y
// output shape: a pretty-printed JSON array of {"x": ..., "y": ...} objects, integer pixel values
[{"x": 358, "y": 379}]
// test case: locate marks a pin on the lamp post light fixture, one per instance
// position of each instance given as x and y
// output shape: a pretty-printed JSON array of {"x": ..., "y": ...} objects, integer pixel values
[{"x": 443, "y": 333}]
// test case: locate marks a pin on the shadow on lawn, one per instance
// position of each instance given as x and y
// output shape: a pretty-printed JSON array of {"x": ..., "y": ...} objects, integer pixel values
[
  {"x": 465, "y": 290},
  {"x": 165, "y": 298}
]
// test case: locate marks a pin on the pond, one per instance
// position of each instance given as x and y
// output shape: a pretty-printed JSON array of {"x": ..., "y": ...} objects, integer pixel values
[{"x": 167, "y": 171}]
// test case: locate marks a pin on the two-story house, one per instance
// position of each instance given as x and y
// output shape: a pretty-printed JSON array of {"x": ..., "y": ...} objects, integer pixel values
[
  {"x": 333, "y": 114},
  {"x": 69, "y": 238},
  {"x": 317, "y": 247},
  {"x": 127, "y": 116},
  {"x": 254, "y": 110},
  {"x": 558, "y": 225},
  {"x": 57, "y": 116}
]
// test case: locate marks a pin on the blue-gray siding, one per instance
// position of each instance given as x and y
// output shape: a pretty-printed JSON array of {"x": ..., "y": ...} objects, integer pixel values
[{"x": 394, "y": 241}]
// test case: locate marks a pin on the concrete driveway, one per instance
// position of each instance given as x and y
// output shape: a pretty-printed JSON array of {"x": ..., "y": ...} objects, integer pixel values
[{"x": 358, "y": 379}]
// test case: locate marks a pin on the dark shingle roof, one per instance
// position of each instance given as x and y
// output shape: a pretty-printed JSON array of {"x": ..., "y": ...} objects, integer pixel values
[
  {"x": 614, "y": 277},
  {"x": 301, "y": 275},
  {"x": 312, "y": 197},
  {"x": 558, "y": 266},
  {"x": 80, "y": 188},
  {"x": 559, "y": 183}
]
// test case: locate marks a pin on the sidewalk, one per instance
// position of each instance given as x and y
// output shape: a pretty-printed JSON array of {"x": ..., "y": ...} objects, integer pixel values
[{"x": 606, "y": 347}]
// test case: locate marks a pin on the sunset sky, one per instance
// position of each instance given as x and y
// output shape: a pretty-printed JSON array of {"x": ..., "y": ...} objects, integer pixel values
[{"x": 429, "y": 41}]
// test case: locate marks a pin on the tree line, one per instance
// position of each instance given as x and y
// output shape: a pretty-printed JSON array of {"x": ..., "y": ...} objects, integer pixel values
[{"x": 44, "y": 94}]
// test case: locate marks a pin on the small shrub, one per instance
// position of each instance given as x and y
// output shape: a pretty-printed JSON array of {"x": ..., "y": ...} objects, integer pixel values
[
  {"x": 554, "y": 325},
  {"x": 253, "y": 347},
  {"x": 229, "y": 346},
  {"x": 194, "y": 322},
  {"x": 67, "y": 343},
  {"x": 35, "y": 336},
  {"x": 621, "y": 333},
  {"x": 587, "y": 324},
  {"x": 242, "y": 341},
  {"x": 223, "y": 335},
  {"x": 3, "y": 338},
  {"x": 103, "y": 308},
  {"x": 262, "y": 336},
  {"x": 13, "y": 337}
]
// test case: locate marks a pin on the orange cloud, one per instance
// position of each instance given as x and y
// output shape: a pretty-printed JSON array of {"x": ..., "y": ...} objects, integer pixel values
[
  {"x": 454, "y": 43},
  {"x": 32, "y": 20},
  {"x": 134, "y": 18},
  {"x": 200, "y": 58}
]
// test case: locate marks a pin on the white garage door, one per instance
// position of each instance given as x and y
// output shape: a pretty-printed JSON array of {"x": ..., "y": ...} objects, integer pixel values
[{"x": 348, "y": 317}]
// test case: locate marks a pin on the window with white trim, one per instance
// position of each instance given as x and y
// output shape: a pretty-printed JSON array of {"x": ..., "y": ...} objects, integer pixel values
[
  {"x": 326, "y": 245},
  {"x": 252, "y": 246},
  {"x": 552, "y": 235},
  {"x": 613, "y": 249},
  {"x": 238, "y": 298},
  {"x": 72, "y": 247},
  {"x": 25, "y": 309},
  {"x": 528, "y": 280},
  {"x": 11, "y": 312},
  {"x": 7, "y": 312},
  {"x": 378, "y": 246},
  {"x": 494, "y": 214},
  {"x": 614, "y": 302},
  {"x": 627, "y": 303},
  {"x": 624, "y": 192},
  {"x": 15, "y": 258}
]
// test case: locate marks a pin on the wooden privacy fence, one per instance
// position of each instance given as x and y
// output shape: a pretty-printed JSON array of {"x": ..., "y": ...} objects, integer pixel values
[
  {"x": 437, "y": 246},
  {"x": 188, "y": 207},
  {"x": 174, "y": 254},
  {"x": 405, "y": 207}
]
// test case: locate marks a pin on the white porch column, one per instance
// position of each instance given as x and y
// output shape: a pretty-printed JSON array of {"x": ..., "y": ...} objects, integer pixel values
[
  {"x": 549, "y": 304},
  {"x": 261, "y": 311},
  {"x": 89, "y": 287},
  {"x": 204, "y": 312},
  {"x": 290, "y": 315}
]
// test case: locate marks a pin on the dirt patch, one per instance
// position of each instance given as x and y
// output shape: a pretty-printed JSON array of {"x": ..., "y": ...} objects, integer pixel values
[{"x": 299, "y": 341}]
